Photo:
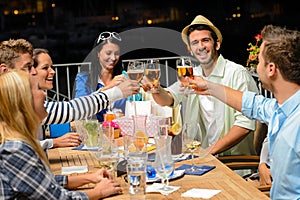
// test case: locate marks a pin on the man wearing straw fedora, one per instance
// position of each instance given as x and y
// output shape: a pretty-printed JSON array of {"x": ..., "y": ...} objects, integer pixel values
[{"x": 228, "y": 129}]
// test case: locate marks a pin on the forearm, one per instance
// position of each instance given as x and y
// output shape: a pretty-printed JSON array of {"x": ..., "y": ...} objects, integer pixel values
[
  {"x": 76, "y": 109},
  {"x": 231, "y": 97},
  {"x": 233, "y": 137},
  {"x": 163, "y": 98}
]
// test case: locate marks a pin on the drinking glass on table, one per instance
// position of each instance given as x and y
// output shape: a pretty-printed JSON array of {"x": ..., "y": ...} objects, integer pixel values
[
  {"x": 91, "y": 129},
  {"x": 152, "y": 72},
  {"x": 108, "y": 154},
  {"x": 185, "y": 69},
  {"x": 136, "y": 166},
  {"x": 164, "y": 164},
  {"x": 192, "y": 141}
]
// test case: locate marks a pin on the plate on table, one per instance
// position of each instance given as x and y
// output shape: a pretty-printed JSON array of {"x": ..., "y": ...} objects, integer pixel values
[{"x": 177, "y": 174}]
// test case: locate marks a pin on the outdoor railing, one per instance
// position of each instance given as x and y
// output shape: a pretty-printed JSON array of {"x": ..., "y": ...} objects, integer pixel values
[{"x": 64, "y": 80}]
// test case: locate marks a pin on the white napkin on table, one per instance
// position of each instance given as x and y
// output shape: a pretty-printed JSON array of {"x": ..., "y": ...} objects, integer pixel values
[
  {"x": 200, "y": 193},
  {"x": 155, "y": 187},
  {"x": 74, "y": 169}
]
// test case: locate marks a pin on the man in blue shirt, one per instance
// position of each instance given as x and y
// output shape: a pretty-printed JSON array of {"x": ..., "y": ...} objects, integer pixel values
[{"x": 279, "y": 72}]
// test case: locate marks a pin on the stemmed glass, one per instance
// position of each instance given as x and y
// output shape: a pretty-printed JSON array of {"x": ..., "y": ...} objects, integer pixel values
[
  {"x": 192, "y": 140},
  {"x": 135, "y": 71},
  {"x": 152, "y": 72},
  {"x": 164, "y": 164},
  {"x": 185, "y": 69},
  {"x": 108, "y": 154}
]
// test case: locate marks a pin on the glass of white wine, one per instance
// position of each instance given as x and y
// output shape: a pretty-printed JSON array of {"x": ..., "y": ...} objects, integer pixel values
[
  {"x": 135, "y": 71},
  {"x": 185, "y": 69},
  {"x": 108, "y": 154},
  {"x": 191, "y": 141},
  {"x": 152, "y": 72}
]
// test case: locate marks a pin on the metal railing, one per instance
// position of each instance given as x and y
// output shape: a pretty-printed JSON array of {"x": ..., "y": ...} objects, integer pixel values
[
  {"x": 66, "y": 73},
  {"x": 63, "y": 87}
]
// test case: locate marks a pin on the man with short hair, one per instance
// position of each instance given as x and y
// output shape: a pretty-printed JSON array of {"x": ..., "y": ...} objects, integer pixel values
[{"x": 229, "y": 131}]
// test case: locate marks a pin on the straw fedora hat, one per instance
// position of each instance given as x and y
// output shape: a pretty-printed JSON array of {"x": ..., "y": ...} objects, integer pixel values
[{"x": 200, "y": 20}]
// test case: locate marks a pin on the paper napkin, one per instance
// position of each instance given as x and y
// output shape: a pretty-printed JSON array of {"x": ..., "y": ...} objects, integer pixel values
[
  {"x": 85, "y": 148},
  {"x": 204, "y": 169},
  {"x": 200, "y": 193},
  {"x": 181, "y": 157},
  {"x": 74, "y": 169},
  {"x": 156, "y": 187}
]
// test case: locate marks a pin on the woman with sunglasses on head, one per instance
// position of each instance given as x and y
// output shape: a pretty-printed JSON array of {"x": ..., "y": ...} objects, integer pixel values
[
  {"x": 105, "y": 72},
  {"x": 24, "y": 167}
]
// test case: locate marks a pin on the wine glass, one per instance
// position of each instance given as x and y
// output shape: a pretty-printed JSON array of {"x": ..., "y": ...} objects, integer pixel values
[
  {"x": 135, "y": 71},
  {"x": 185, "y": 69},
  {"x": 191, "y": 141},
  {"x": 164, "y": 164},
  {"x": 152, "y": 72},
  {"x": 108, "y": 154}
]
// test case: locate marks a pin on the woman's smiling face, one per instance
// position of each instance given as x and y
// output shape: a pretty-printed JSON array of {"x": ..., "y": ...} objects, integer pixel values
[
  {"x": 45, "y": 71},
  {"x": 109, "y": 55}
]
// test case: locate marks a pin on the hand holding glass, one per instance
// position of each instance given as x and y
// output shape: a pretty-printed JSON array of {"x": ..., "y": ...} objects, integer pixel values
[{"x": 184, "y": 69}]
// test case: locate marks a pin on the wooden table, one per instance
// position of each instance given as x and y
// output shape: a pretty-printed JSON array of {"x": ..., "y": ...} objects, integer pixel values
[{"x": 222, "y": 178}]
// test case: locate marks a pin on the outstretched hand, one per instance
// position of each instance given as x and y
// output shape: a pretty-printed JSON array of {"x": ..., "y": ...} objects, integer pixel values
[
  {"x": 129, "y": 87},
  {"x": 199, "y": 85},
  {"x": 147, "y": 85}
]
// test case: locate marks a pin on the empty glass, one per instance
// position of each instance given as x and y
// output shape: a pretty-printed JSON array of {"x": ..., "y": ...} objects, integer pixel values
[{"x": 164, "y": 164}]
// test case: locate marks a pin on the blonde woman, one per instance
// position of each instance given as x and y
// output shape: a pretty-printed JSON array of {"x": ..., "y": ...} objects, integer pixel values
[{"x": 24, "y": 168}]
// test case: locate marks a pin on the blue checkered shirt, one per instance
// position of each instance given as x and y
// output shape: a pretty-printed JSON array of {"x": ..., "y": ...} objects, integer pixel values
[{"x": 23, "y": 175}]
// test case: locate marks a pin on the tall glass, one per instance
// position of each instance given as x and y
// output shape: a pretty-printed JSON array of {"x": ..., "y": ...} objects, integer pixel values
[
  {"x": 185, "y": 69},
  {"x": 164, "y": 164},
  {"x": 152, "y": 72},
  {"x": 108, "y": 154},
  {"x": 191, "y": 141},
  {"x": 136, "y": 167},
  {"x": 91, "y": 129}
]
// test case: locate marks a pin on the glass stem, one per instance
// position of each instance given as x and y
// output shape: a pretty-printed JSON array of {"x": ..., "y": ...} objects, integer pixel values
[
  {"x": 192, "y": 159},
  {"x": 134, "y": 106}
]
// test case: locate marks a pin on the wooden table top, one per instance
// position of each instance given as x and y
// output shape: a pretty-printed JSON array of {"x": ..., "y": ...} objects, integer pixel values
[{"x": 222, "y": 178}]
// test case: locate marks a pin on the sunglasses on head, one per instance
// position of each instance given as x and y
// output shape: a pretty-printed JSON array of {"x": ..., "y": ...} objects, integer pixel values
[{"x": 106, "y": 35}]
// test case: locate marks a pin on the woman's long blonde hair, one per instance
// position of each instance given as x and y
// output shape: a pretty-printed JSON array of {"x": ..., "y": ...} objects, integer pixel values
[{"x": 18, "y": 119}]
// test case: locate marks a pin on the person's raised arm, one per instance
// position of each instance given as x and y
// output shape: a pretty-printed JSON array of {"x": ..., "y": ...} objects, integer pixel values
[
  {"x": 85, "y": 106},
  {"x": 229, "y": 96},
  {"x": 163, "y": 97}
]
